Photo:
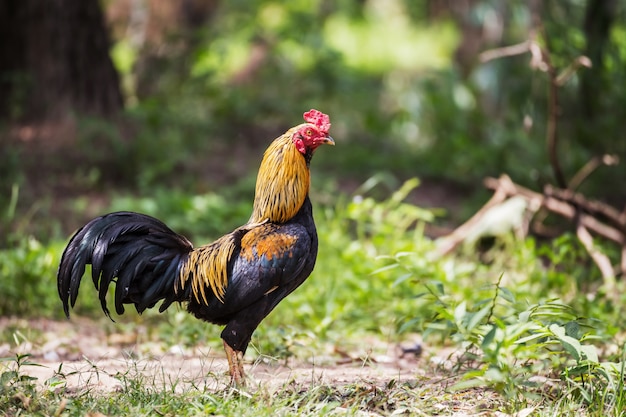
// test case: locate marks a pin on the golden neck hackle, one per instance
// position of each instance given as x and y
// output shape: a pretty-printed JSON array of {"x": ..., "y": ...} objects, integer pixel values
[
  {"x": 282, "y": 183},
  {"x": 281, "y": 188}
]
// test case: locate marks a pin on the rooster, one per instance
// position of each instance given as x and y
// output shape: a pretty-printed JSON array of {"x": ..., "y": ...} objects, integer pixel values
[{"x": 235, "y": 281}]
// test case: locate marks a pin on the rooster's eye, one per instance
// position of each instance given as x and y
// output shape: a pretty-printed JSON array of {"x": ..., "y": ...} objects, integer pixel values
[{"x": 309, "y": 132}]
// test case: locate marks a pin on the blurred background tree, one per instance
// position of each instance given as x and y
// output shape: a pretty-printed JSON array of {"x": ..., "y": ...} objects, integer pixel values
[
  {"x": 54, "y": 58},
  {"x": 206, "y": 84}
]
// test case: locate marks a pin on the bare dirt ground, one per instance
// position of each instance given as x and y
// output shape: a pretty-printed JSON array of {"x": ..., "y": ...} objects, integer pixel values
[{"x": 86, "y": 356}]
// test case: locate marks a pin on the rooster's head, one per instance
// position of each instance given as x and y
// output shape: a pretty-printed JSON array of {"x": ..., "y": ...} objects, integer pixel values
[{"x": 313, "y": 133}]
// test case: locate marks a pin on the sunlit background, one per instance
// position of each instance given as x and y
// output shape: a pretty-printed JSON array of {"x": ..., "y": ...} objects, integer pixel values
[{"x": 165, "y": 107}]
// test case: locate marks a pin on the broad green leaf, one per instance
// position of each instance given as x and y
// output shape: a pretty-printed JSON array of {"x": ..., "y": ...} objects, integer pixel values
[
  {"x": 460, "y": 311},
  {"x": 571, "y": 345},
  {"x": 478, "y": 317}
]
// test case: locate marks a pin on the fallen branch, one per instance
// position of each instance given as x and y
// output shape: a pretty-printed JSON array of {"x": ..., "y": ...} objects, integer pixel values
[
  {"x": 557, "y": 206},
  {"x": 572, "y": 206},
  {"x": 448, "y": 243},
  {"x": 593, "y": 207},
  {"x": 558, "y": 201},
  {"x": 587, "y": 215},
  {"x": 564, "y": 203},
  {"x": 602, "y": 261}
]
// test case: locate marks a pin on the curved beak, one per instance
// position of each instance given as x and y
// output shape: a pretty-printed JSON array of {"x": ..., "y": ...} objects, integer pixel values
[{"x": 329, "y": 141}]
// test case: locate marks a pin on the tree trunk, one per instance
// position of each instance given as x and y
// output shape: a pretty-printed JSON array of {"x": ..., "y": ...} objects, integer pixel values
[
  {"x": 54, "y": 58},
  {"x": 599, "y": 16},
  {"x": 595, "y": 81}
]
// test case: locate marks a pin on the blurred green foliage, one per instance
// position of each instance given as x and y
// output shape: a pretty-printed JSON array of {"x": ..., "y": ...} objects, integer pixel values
[
  {"x": 204, "y": 216},
  {"x": 208, "y": 98},
  {"x": 387, "y": 75},
  {"x": 28, "y": 282}
]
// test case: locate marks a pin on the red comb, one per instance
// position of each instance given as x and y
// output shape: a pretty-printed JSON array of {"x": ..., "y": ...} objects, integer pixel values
[{"x": 319, "y": 119}]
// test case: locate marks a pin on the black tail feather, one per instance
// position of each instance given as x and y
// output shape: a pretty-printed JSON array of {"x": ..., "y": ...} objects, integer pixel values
[{"x": 139, "y": 252}]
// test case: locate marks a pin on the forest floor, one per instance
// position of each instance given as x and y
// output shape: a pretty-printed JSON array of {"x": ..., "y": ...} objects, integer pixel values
[
  {"x": 87, "y": 354},
  {"x": 91, "y": 359}
]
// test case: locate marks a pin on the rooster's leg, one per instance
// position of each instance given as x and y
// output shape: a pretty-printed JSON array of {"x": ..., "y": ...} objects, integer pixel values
[{"x": 235, "y": 365}]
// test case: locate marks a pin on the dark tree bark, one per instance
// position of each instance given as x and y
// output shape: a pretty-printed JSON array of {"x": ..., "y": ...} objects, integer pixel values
[
  {"x": 595, "y": 81},
  {"x": 54, "y": 58},
  {"x": 599, "y": 16}
]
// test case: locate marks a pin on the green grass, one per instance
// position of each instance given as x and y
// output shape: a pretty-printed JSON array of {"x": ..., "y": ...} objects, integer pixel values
[
  {"x": 527, "y": 334},
  {"x": 140, "y": 396}
]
